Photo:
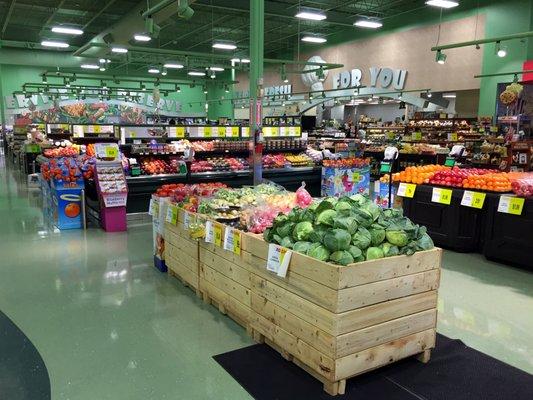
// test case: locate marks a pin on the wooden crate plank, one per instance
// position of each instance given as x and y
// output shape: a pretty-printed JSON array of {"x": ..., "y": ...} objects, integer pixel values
[
  {"x": 377, "y": 292},
  {"x": 388, "y": 268},
  {"x": 184, "y": 259},
  {"x": 235, "y": 309},
  {"x": 298, "y": 284},
  {"x": 302, "y": 308},
  {"x": 187, "y": 246},
  {"x": 298, "y": 348},
  {"x": 231, "y": 270},
  {"x": 213, "y": 292},
  {"x": 226, "y": 284},
  {"x": 386, "y": 311},
  {"x": 384, "y": 354},
  {"x": 371, "y": 336},
  {"x": 320, "y": 340},
  {"x": 228, "y": 255},
  {"x": 183, "y": 272}
]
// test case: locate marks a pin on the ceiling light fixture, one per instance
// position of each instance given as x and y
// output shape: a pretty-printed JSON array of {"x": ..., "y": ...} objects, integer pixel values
[
  {"x": 226, "y": 89},
  {"x": 218, "y": 69},
  {"x": 314, "y": 39},
  {"x": 245, "y": 61},
  {"x": 224, "y": 46},
  {"x": 68, "y": 31},
  {"x": 172, "y": 65},
  {"x": 442, "y": 3},
  {"x": 501, "y": 51},
  {"x": 178, "y": 89},
  {"x": 429, "y": 94},
  {"x": 89, "y": 66},
  {"x": 102, "y": 69},
  {"x": 53, "y": 43},
  {"x": 142, "y": 37},
  {"x": 142, "y": 86},
  {"x": 235, "y": 60},
  {"x": 313, "y": 15},
  {"x": 368, "y": 23},
  {"x": 164, "y": 72},
  {"x": 205, "y": 90},
  {"x": 121, "y": 50},
  {"x": 153, "y": 70},
  {"x": 440, "y": 57},
  {"x": 196, "y": 73},
  {"x": 102, "y": 61},
  {"x": 449, "y": 95}
]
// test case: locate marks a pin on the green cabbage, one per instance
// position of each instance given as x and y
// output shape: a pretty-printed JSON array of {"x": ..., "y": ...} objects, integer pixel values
[
  {"x": 287, "y": 242},
  {"x": 361, "y": 238},
  {"x": 342, "y": 257},
  {"x": 319, "y": 252},
  {"x": 326, "y": 204},
  {"x": 326, "y": 217},
  {"x": 348, "y": 223},
  {"x": 301, "y": 247},
  {"x": 425, "y": 242},
  {"x": 285, "y": 229},
  {"x": 397, "y": 238},
  {"x": 377, "y": 234},
  {"x": 302, "y": 230},
  {"x": 337, "y": 239},
  {"x": 389, "y": 250},
  {"x": 374, "y": 252},
  {"x": 343, "y": 207},
  {"x": 355, "y": 252},
  {"x": 318, "y": 234}
]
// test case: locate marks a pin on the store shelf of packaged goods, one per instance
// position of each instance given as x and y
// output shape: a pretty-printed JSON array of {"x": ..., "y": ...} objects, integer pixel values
[{"x": 95, "y": 139}]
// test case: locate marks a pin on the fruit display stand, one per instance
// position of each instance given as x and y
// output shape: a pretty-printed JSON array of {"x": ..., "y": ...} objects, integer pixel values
[{"x": 333, "y": 321}]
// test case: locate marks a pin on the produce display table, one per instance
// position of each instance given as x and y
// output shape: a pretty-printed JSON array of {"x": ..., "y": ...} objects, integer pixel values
[
  {"x": 499, "y": 236},
  {"x": 333, "y": 321}
]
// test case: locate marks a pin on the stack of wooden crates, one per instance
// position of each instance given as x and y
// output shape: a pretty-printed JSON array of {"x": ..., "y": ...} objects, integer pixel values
[{"x": 334, "y": 321}]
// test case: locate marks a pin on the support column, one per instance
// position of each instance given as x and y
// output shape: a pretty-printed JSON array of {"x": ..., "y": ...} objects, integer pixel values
[{"x": 257, "y": 30}]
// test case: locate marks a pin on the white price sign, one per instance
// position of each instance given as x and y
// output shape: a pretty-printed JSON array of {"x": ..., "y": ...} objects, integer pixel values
[
  {"x": 209, "y": 232},
  {"x": 511, "y": 205},
  {"x": 278, "y": 259},
  {"x": 186, "y": 220},
  {"x": 473, "y": 199},
  {"x": 406, "y": 189},
  {"x": 153, "y": 209},
  {"x": 228, "y": 239}
]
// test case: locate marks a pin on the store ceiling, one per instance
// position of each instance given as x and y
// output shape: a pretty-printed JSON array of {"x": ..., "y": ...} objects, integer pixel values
[{"x": 30, "y": 21}]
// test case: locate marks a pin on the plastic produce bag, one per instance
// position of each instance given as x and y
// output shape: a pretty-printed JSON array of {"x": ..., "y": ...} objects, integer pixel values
[{"x": 303, "y": 198}]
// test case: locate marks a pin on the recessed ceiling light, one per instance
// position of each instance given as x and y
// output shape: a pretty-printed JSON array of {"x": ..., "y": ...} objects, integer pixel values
[
  {"x": 449, "y": 95},
  {"x": 173, "y": 66},
  {"x": 196, "y": 73},
  {"x": 153, "y": 70},
  {"x": 442, "y": 3},
  {"x": 164, "y": 72},
  {"x": 102, "y": 69},
  {"x": 68, "y": 31},
  {"x": 142, "y": 38},
  {"x": 217, "y": 69},
  {"x": 52, "y": 43},
  {"x": 368, "y": 23},
  {"x": 224, "y": 46},
  {"x": 311, "y": 14},
  {"x": 245, "y": 61},
  {"x": 119, "y": 50},
  {"x": 440, "y": 57},
  {"x": 314, "y": 39},
  {"x": 90, "y": 66}
]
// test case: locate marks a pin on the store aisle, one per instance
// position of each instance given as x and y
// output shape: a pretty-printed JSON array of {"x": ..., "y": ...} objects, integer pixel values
[{"x": 110, "y": 326}]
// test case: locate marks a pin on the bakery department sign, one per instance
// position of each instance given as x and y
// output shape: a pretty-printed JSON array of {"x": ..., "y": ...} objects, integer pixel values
[{"x": 384, "y": 78}]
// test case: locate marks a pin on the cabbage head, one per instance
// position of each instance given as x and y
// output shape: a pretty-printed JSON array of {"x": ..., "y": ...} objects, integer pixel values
[
  {"x": 361, "y": 238},
  {"x": 373, "y": 253},
  {"x": 343, "y": 207},
  {"x": 302, "y": 230},
  {"x": 425, "y": 242},
  {"x": 377, "y": 234},
  {"x": 348, "y": 223},
  {"x": 319, "y": 252},
  {"x": 301, "y": 247},
  {"x": 397, "y": 238},
  {"x": 342, "y": 257},
  {"x": 285, "y": 229},
  {"x": 326, "y": 217},
  {"x": 337, "y": 239},
  {"x": 318, "y": 234},
  {"x": 287, "y": 242},
  {"x": 355, "y": 252},
  {"x": 389, "y": 249}
]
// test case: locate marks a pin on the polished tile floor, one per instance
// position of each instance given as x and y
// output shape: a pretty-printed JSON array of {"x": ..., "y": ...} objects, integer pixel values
[{"x": 110, "y": 326}]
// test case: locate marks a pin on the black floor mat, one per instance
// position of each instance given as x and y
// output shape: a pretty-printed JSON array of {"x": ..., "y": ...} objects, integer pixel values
[
  {"x": 455, "y": 372},
  {"x": 23, "y": 374}
]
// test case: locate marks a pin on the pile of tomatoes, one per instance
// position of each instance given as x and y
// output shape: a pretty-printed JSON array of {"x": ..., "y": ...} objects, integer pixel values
[
  {"x": 352, "y": 162},
  {"x": 63, "y": 169}
]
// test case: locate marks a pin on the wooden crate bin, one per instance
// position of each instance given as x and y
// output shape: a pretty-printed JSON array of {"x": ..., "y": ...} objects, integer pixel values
[
  {"x": 182, "y": 256},
  {"x": 226, "y": 280},
  {"x": 337, "y": 322}
]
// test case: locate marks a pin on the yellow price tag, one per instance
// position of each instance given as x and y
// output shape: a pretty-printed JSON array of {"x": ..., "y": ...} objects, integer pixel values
[
  {"x": 172, "y": 215},
  {"x": 97, "y": 129},
  {"x": 237, "y": 242},
  {"x": 452, "y": 137},
  {"x": 235, "y": 131},
  {"x": 218, "y": 234},
  {"x": 111, "y": 152},
  {"x": 516, "y": 205},
  {"x": 442, "y": 196},
  {"x": 298, "y": 131},
  {"x": 494, "y": 129},
  {"x": 478, "y": 200},
  {"x": 221, "y": 131},
  {"x": 207, "y": 131},
  {"x": 180, "y": 131},
  {"x": 267, "y": 131},
  {"x": 406, "y": 190},
  {"x": 416, "y": 136}
]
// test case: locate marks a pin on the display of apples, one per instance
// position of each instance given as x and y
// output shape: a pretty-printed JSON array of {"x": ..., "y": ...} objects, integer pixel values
[
  {"x": 71, "y": 151},
  {"x": 153, "y": 166},
  {"x": 455, "y": 176}
]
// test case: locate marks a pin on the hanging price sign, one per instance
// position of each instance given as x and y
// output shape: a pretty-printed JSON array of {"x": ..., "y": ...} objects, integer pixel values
[
  {"x": 172, "y": 215},
  {"x": 406, "y": 190},
  {"x": 442, "y": 196},
  {"x": 153, "y": 210},
  {"x": 217, "y": 228},
  {"x": 385, "y": 167},
  {"x": 228, "y": 239},
  {"x": 450, "y": 162},
  {"x": 511, "y": 205},
  {"x": 209, "y": 232},
  {"x": 278, "y": 259},
  {"x": 237, "y": 242},
  {"x": 473, "y": 199},
  {"x": 111, "y": 152},
  {"x": 188, "y": 219},
  {"x": 452, "y": 137}
]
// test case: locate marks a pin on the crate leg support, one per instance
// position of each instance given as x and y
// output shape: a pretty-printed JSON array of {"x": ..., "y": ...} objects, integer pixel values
[
  {"x": 424, "y": 356},
  {"x": 206, "y": 298},
  {"x": 222, "y": 309},
  {"x": 286, "y": 355},
  {"x": 258, "y": 337},
  {"x": 333, "y": 388}
]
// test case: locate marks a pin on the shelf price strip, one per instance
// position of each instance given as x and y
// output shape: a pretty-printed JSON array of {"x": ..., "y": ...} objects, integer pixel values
[
  {"x": 217, "y": 228},
  {"x": 473, "y": 199},
  {"x": 406, "y": 190},
  {"x": 278, "y": 259},
  {"x": 172, "y": 215},
  {"x": 442, "y": 196},
  {"x": 511, "y": 205}
]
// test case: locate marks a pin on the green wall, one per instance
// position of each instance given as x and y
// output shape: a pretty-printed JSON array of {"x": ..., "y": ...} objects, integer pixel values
[{"x": 219, "y": 108}]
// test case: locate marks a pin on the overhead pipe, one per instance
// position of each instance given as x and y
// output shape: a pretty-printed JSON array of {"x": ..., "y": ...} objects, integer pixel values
[
  {"x": 483, "y": 41},
  {"x": 503, "y": 74},
  {"x": 158, "y": 7}
]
